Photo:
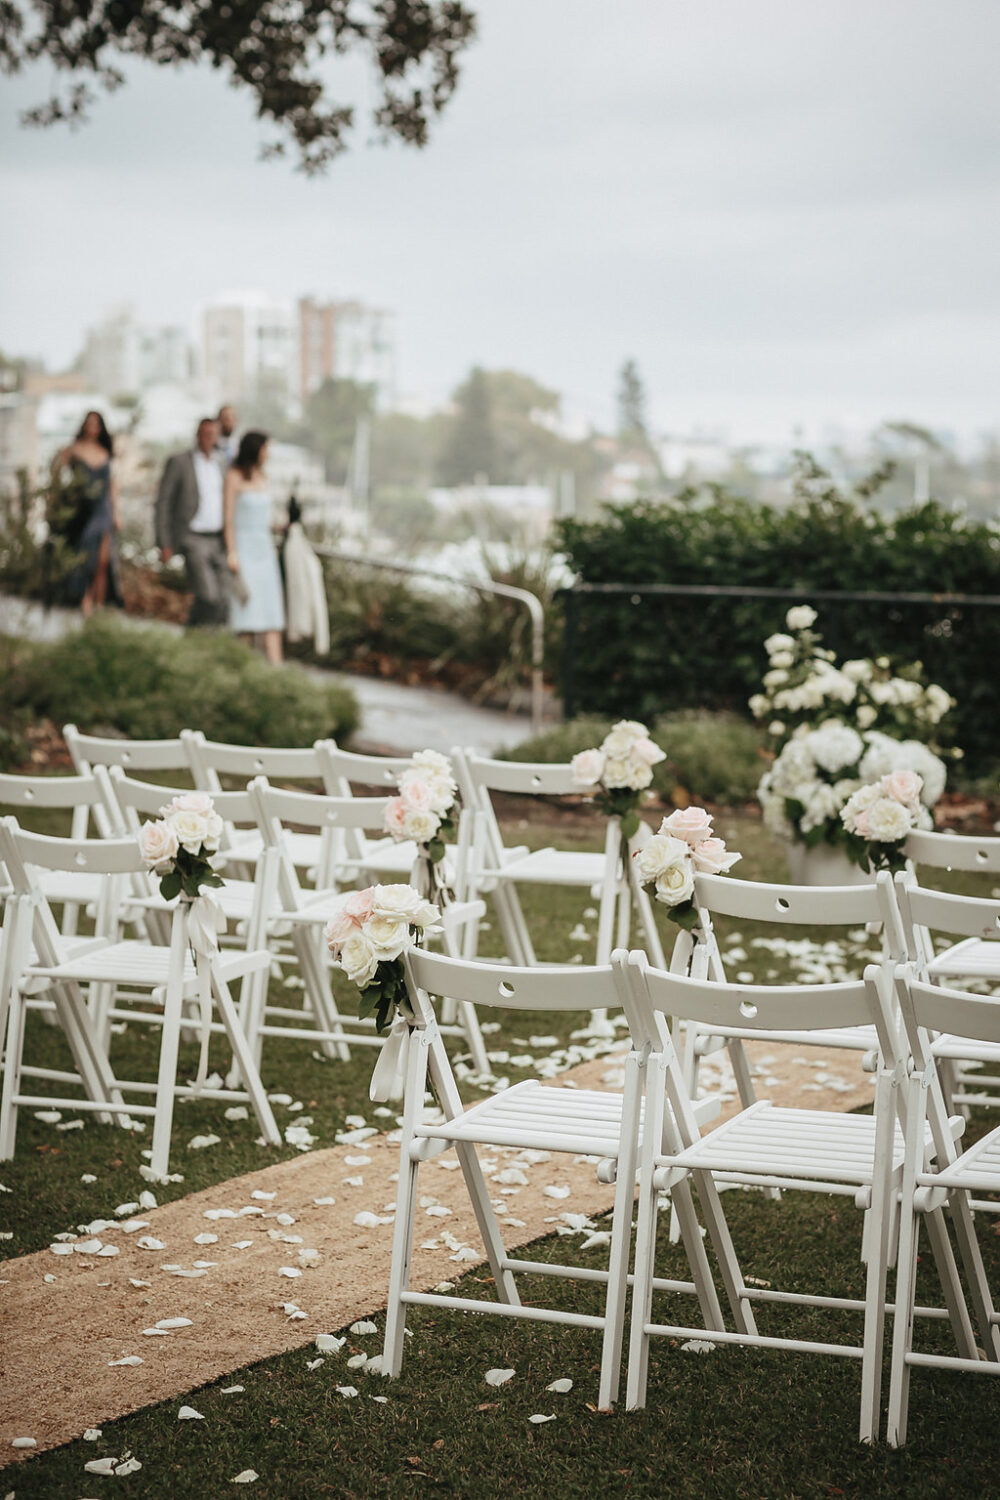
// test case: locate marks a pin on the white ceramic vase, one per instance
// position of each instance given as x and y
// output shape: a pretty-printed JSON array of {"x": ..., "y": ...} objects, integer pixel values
[{"x": 823, "y": 865}]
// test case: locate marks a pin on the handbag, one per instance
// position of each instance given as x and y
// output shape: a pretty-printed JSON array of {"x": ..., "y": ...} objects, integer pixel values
[{"x": 239, "y": 587}]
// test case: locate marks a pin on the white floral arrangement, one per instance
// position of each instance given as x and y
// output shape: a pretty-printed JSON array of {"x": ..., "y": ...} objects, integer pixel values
[
  {"x": 683, "y": 847},
  {"x": 426, "y": 807},
  {"x": 803, "y": 686},
  {"x": 819, "y": 771},
  {"x": 618, "y": 771},
  {"x": 368, "y": 933},
  {"x": 879, "y": 817},
  {"x": 178, "y": 846}
]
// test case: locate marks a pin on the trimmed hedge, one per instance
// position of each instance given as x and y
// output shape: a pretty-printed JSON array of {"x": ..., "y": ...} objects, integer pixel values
[
  {"x": 636, "y": 656},
  {"x": 150, "y": 683}
]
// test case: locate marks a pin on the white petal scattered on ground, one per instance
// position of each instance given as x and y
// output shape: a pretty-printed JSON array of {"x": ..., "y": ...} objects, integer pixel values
[
  {"x": 437, "y": 1211},
  {"x": 87, "y": 1177},
  {"x": 280, "y": 1098},
  {"x": 540, "y": 1417},
  {"x": 128, "y": 1466},
  {"x": 107, "y": 1251},
  {"x": 219, "y": 1213},
  {"x": 357, "y": 1362},
  {"x": 202, "y": 1142},
  {"x": 346, "y": 1390},
  {"x": 284, "y": 1219},
  {"x": 135, "y": 1281},
  {"x": 444, "y": 1286},
  {"x": 299, "y": 1136},
  {"x": 357, "y": 1161},
  {"x": 147, "y": 1242},
  {"x": 242, "y": 1244},
  {"x": 188, "y": 1414},
  {"x": 367, "y": 1220},
  {"x": 237, "y": 1112},
  {"x": 23, "y": 1442},
  {"x": 328, "y": 1343},
  {"x": 48, "y": 1277},
  {"x": 245, "y": 1476},
  {"x": 364, "y": 1325},
  {"x": 290, "y": 1271},
  {"x": 48, "y": 1116},
  {"x": 466, "y": 1253},
  {"x": 206, "y": 1239},
  {"x": 164, "y": 1332},
  {"x": 382, "y": 1400},
  {"x": 498, "y": 1377},
  {"x": 129, "y": 1359},
  {"x": 324, "y": 1202},
  {"x": 560, "y": 1386},
  {"x": 260, "y": 1196},
  {"x": 308, "y": 1257},
  {"x": 232, "y": 1390},
  {"x": 100, "y": 1466},
  {"x": 174, "y": 1323},
  {"x": 555, "y": 1190},
  {"x": 204, "y": 1265},
  {"x": 61, "y": 1249},
  {"x": 147, "y": 1200},
  {"x": 87, "y": 1247},
  {"x": 126, "y": 1210},
  {"x": 92, "y": 1434},
  {"x": 698, "y": 1346},
  {"x": 356, "y": 1122},
  {"x": 314, "y": 1364},
  {"x": 354, "y": 1181},
  {"x": 251, "y": 1211},
  {"x": 131, "y": 1226}
]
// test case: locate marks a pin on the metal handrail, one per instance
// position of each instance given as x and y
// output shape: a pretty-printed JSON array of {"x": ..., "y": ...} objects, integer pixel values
[{"x": 505, "y": 590}]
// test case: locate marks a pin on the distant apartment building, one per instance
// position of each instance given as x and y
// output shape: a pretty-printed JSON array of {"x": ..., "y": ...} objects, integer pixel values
[
  {"x": 122, "y": 356},
  {"x": 346, "y": 341},
  {"x": 250, "y": 347}
]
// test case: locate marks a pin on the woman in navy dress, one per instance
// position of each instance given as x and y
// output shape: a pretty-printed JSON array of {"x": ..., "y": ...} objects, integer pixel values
[
  {"x": 89, "y": 517},
  {"x": 257, "y": 607}
]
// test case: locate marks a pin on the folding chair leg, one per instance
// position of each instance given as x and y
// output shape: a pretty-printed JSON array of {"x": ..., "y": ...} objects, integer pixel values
[
  {"x": 645, "y": 1245},
  {"x": 878, "y": 1226},
  {"x": 170, "y": 1034},
  {"x": 12, "y": 1073},
  {"x": 243, "y": 1061},
  {"x": 399, "y": 1275},
  {"x": 487, "y": 1221},
  {"x": 972, "y": 1262},
  {"x": 725, "y": 1253},
  {"x": 317, "y": 982},
  {"x": 621, "y": 1237},
  {"x": 902, "y": 1333}
]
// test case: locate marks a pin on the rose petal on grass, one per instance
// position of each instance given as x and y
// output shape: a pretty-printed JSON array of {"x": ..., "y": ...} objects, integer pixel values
[
  {"x": 92, "y": 1434},
  {"x": 328, "y": 1343},
  {"x": 498, "y": 1377},
  {"x": 314, "y": 1364},
  {"x": 237, "y": 1112},
  {"x": 698, "y": 1346},
  {"x": 188, "y": 1414},
  {"x": 245, "y": 1476},
  {"x": 346, "y": 1390},
  {"x": 129, "y": 1466},
  {"x": 540, "y": 1417},
  {"x": 560, "y": 1386},
  {"x": 232, "y": 1390},
  {"x": 363, "y": 1326},
  {"x": 100, "y": 1466}
]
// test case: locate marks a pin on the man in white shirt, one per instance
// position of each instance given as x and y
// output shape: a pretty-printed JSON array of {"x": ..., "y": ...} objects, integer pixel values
[
  {"x": 189, "y": 520},
  {"x": 227, "y": 443}
]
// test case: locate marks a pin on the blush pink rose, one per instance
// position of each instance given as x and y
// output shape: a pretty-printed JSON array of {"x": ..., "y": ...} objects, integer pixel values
[
  {"x": 395, "y": 818},
  {"x": 416, "y": 792},
  {"x": 359, "y": 905},
  {"x": 904, "y": 786},
  {"x": 648, "y": 751},
  {"x": 861, "y": 824},
  {"x": 712, "y": 858},
  {"x": 692, "y": 824},
  {"x": 157, "y": 843},
  {"x": 193, "y": 802}
]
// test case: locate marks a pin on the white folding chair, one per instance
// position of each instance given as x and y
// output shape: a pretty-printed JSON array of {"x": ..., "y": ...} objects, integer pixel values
[
  {"x": 858, "y": 1157},
  {"x": 169, "y": 974},
  {"x": 805, "y": 907},
  {"x": 528, "y": 1116},
  {"x": 949, "y": 1177},
  {"x": 210, "y": 760},
  {"x": 381, "y": 858},
  {"x": 304, "y": 913},
  {"x": 975, "y": 957},
  {"x": 80, "y": 796},
  {"x": 90, "y": 750},
  {"x": 974, "y": 919}
]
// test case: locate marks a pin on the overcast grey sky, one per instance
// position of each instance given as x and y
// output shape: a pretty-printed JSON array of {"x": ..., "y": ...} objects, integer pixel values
[{"x": 787, "y": 212}]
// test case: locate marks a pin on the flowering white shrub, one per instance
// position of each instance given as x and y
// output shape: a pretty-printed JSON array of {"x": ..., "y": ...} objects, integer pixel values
[
  {"x": 424, "y": 810},
  {"x": 683, "y": 847},
  {"x": 177, "y": 847},
  {"x": 618, "y": 771},
  {"x": 367, "y": 935}
]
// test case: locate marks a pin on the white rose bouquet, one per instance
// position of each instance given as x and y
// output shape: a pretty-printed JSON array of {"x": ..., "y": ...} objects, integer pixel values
[
  {"x": 367, "y": 935},
  {"x": 427, "y": 805},
  {"x": 684, "y": 847},
  {"x": 803, "y": 686},
  {"x": 178, "y": 846},
  {"x": 878, "y": 818},
  {"x": 618, "y": 772}
]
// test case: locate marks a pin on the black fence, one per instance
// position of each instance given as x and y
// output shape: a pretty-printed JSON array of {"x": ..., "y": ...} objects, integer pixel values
[{"x": 638, "y": 650}]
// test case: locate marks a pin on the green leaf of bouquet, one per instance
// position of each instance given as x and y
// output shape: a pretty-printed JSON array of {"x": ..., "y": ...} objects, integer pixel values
[
  {"x": 685, "y": 915},
  {"x": 170, "y": 885},
  {"x": 630, "y": 824},
  {"x": 436, "y": 850}
]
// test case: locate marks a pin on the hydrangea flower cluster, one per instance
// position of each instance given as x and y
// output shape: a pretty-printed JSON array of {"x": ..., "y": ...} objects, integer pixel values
[
  {"x": 683, "y": 847},
  {"x": 367, "y": 935},
  {"x": 820, "y": 770},
  {"x": 880, "y": 816},
  {"x": 425, "y": 808},
  {"x": 804, "y": 683},
  {"x": 617, "y": 772},
  {"x": 177, "y": 847}
]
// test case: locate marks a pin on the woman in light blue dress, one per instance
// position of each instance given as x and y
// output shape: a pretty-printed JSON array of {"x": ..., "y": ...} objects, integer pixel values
[{"x": 257, "y": 607}]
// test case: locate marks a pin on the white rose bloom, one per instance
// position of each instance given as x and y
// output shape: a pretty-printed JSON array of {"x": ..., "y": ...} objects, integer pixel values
[
  {"x": 157, "y": 843},
  {"x": 779, "y": 642},
  {"x": 659, "y": 854},
  {"x": 616, "y": 772},
  {"x": 421, "y": 826},
  {"x": 675, "y": 885},
  {"x": 398, "y": 902},
  {"x": 835, "y": 745},
  {"x": 388, "y": 936},
  {"x": 213, "y": 831},
  {"x": 434, "y": 762},
  {"x": 191, "y": 829},
  {"x": 639, "y": 773},
  {"x": 800, "y": 617},
  {"x": 888, "y": 821},
  {"x": 620, "y": 739},
  {"x": 359, "y": 959}
]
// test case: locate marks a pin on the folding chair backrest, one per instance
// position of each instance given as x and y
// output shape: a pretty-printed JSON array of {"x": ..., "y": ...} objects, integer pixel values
[
  {"x": 517, "y": 777},
  {"x": 79, "y": 794},
  {"x": 211, "y": 759},
  {"x": 803, "y": 905},
  {"x": 21, "y": 851},
  {"x": 937, "y": 1009},
  {"x": 344, "y": 768},
  {"x": 89, "y": 750},
  {"x": 329, "y": 816},
  {"x": 506, "y": 988},
  {"x": 137, "y": 801},
  {"x": 954, "y": 851}
]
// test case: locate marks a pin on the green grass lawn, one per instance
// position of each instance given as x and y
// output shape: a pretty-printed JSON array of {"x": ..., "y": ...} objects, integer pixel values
[{"x": 729, "y": 1423}]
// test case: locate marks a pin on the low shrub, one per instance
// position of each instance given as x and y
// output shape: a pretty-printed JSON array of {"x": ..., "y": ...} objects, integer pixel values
[
  {"x": 149, "y": 683},
  {"x": 713, "y": 757}
]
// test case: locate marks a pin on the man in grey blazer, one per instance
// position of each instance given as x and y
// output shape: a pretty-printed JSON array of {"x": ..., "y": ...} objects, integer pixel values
[{"x": 189, "y": 520}]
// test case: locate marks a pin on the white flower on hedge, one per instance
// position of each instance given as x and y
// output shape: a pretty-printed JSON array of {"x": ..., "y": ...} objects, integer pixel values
[
  {"x": 835, "y": 745},
  {"x": 800, "y": 617},
  {"x": 936, "y": 703},
  {"x": 775, "y": 677},
  {"x": 783, "y": 659},
  {"x": 858, "y": 671},
  {"x": 779, "y": 643},
  {"x": 888, "y": 821},
  {"x": 866, "y": 715},
  {"x": 759, "y": 705},
  {"x": 820, "y": 803},
  {"x": 359, "y": 959}
]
